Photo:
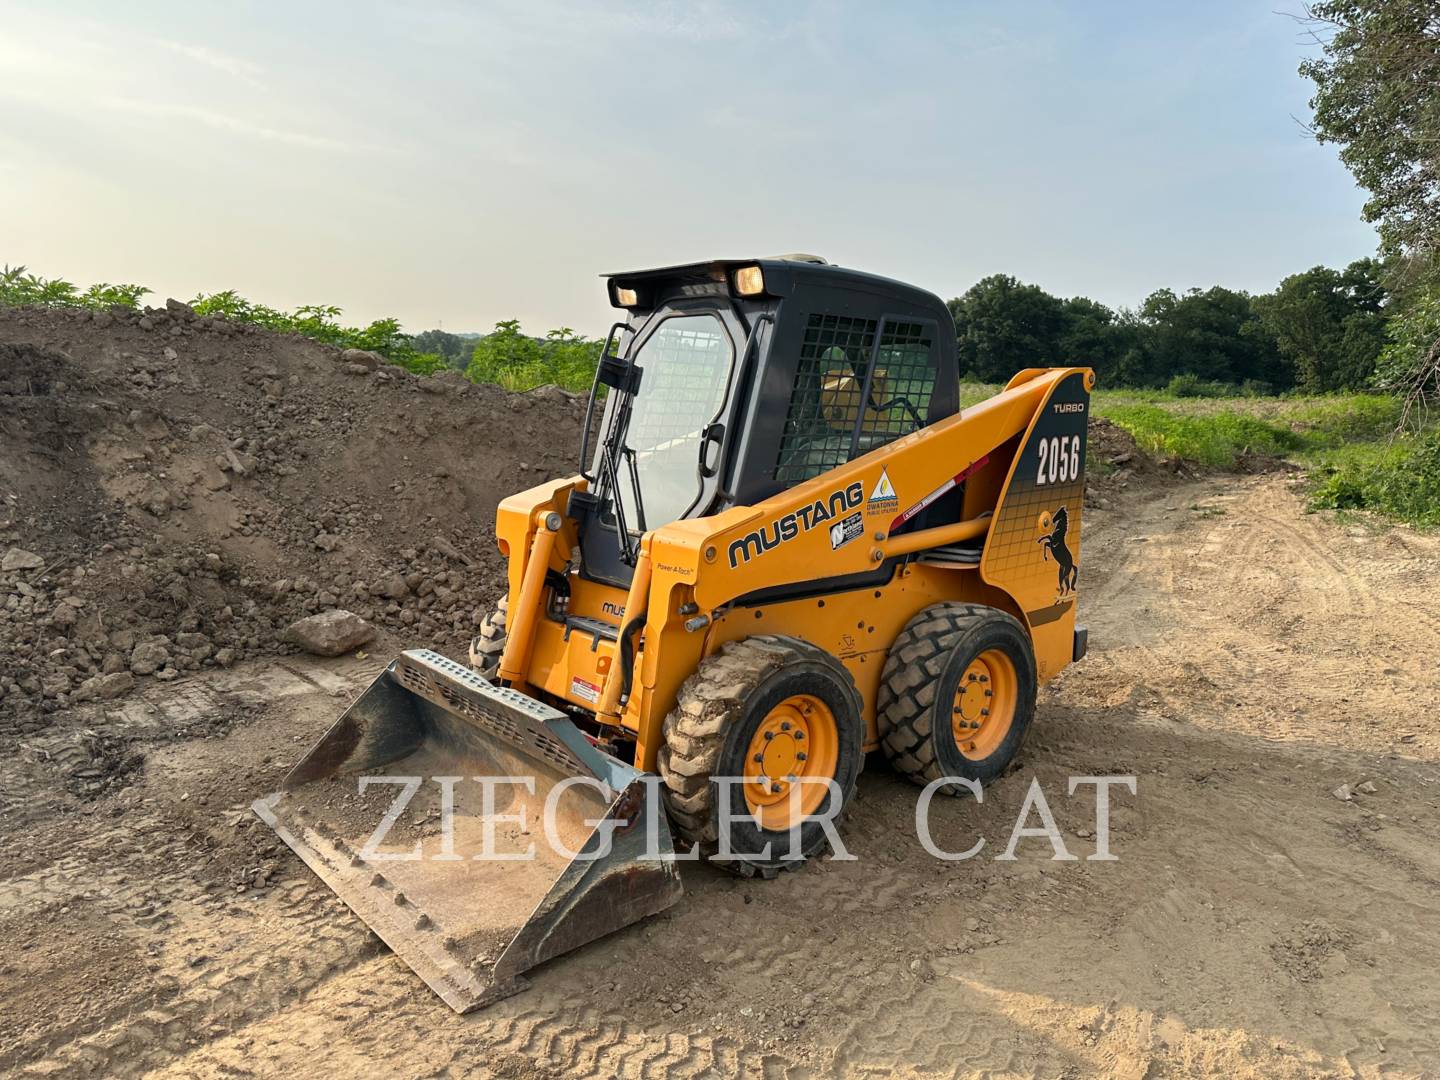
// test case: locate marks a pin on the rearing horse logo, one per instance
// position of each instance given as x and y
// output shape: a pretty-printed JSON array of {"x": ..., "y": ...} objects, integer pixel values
[{"x": 1053, "y": 543}]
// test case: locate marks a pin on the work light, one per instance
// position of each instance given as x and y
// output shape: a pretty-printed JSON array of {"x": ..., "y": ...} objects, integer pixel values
[{"x": 749, "y": 281}]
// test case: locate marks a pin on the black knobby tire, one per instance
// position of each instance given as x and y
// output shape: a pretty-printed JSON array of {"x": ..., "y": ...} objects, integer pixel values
[
  {"x": 918, "y": 687},
  {"x": 486, "y": 647},
  {"x": 716, "y": 715}
]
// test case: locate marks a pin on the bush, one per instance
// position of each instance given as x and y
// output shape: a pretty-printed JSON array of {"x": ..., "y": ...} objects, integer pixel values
[
  {"x": 516, "y": 361},
  {"x": 1187, "y": 385},
  {"x": 18, "y": 289},
  {"x": 1400, "y": 479}
]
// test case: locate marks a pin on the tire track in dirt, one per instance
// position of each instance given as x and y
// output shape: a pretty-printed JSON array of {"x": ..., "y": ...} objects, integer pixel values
[{"x": 1253, "y": 925}]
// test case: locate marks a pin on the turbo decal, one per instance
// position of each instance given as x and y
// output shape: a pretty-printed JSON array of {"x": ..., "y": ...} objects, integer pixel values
[{"x": 785, "y": 529}]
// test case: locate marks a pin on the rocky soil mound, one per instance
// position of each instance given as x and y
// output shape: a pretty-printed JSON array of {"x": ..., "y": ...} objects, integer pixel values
[
  {"x": 1115, "y": 464},
  {"x": 176, "y": 490}
]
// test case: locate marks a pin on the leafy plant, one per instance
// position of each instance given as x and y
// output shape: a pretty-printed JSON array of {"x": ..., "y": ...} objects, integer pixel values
[
  {"x": 19, "y": 288},
  {"x": 1399, "y": 478},
  {"x": 319, "y": 321},
  {"x": 511, "y": 358}
]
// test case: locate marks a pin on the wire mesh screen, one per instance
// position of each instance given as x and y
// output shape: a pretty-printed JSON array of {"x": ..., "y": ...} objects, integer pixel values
[
  {"x": 838, "y": 409},
  {"x": 901, "y": 386}
]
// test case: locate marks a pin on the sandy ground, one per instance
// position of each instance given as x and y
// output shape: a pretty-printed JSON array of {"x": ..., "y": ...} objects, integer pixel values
[{"x": 1246, "y": 660}]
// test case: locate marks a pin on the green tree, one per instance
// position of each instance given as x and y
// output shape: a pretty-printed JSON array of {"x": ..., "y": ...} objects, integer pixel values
[
  {"x": 1002, "y": 326},
  {"x": 442, "y": 344},
  {"x": 1410, "y": 364},
  {"x": 1329, "y": 324},
  {"x": 1212, "y": 334},
  {"x": 1099, "y": 337},
  {"x": 1377, "y": 96}
]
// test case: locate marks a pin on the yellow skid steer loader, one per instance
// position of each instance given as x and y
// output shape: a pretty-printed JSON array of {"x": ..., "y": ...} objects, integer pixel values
[{"x": 787, "y": 546}]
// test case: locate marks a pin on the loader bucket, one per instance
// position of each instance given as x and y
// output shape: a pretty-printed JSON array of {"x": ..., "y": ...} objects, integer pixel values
[{"x": 508, "y": 886}]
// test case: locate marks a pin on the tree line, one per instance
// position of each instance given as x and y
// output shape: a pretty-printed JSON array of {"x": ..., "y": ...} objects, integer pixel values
[{"x": 1321, "y": 330}]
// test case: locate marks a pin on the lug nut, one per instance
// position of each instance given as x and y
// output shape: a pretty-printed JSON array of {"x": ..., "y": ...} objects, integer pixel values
[
  {"x": 799, "y": 734},
  {"x": 801, "y": 756},
  {"x": 984, "y": 712},
  {"x": 769, "y": 735},
  {"x": 784, "y": 725},
  {"x": 775, "y": 788},
  {"x": 759, "y": 758}
]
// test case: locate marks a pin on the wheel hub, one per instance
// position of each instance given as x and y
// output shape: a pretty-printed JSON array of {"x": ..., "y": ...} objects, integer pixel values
[
  {"x": 984, "y": 704},
  {"x": 795, "y": 742}
]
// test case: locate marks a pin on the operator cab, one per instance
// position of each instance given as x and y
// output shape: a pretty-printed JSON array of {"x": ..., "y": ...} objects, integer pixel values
[{"x": 730, "y": 381}]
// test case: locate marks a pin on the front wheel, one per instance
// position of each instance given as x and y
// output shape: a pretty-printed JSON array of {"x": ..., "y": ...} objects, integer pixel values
[{"x": 781, "y": 717}]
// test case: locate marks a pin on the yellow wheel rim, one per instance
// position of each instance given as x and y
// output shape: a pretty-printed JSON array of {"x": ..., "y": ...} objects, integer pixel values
[
  {"x": 797, "y": 741},
  {"x": 984, "y": 706}
]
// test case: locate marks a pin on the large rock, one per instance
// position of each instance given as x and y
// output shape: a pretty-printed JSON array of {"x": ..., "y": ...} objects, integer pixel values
[
  {"x": 147, "y": 657},
  {"x": 105, "y": 687},
  {"x": 393, "y": 587},
  {"x": 330, "y": 633},
  {"x": 20, "y": 559},
  {"x": 364, "y": 357}
]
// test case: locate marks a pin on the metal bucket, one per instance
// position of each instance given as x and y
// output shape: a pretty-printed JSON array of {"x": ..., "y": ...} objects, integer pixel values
[{"x": 506, "y": 885}]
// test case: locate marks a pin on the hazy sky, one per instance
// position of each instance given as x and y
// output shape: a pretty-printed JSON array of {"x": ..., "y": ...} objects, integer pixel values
[{"x": 463, "y": 163}]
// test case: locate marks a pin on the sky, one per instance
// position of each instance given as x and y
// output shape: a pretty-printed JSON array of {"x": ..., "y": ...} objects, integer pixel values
[{"x": 456, "y": 164}]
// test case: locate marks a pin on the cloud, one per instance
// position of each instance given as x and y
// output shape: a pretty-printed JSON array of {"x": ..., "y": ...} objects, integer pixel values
[
  {"x": 230, "y": 65},
  {"x": 239, "y": 125}
]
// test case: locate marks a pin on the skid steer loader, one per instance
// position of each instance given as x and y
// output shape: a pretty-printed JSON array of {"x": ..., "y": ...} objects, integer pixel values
[{"x": 787, "y": 545}]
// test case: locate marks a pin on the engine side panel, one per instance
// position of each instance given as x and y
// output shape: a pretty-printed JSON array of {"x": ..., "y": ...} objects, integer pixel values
[{"x": 1033, "y": 550}]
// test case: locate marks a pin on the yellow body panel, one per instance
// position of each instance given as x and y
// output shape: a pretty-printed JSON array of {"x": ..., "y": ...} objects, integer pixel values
[{"x": 835, "y": 525}]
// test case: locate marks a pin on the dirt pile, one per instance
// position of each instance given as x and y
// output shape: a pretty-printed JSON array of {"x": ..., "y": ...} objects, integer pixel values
[
  {"x": 175, "y": 490},
  {"x": 1116, "y": 464}
]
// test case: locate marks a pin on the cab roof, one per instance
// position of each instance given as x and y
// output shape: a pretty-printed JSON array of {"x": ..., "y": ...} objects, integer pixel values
[{"x": 782, "y": 273}]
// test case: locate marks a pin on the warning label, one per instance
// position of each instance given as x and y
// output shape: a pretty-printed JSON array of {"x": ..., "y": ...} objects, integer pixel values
[{"x": 585, "y": 691}]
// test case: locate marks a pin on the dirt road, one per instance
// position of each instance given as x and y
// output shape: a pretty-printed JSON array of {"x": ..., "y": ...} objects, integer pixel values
[{"x": 1246, "y": 660}]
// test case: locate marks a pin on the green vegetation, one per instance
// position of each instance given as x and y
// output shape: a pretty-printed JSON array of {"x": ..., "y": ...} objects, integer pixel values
[
  {"x": 519, "y": 362},
  {"x": 17, "y": 288},
  {"x": 1348, "y": 444},
  {"x": 1399, "y": 478},
  {"x": 319, "y": 322},
  {"x": 1320, "y": 331},
  {"x": 1377, "y": 97}
]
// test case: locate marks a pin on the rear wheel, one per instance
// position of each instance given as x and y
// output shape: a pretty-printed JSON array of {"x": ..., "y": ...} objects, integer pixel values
[
  {"x": 957, "y": 694},
  {"x": 784, "y": 716},
  {"x": 486, "y": 647}
]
